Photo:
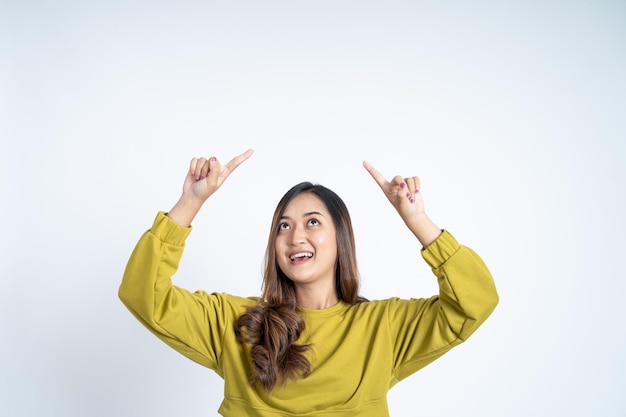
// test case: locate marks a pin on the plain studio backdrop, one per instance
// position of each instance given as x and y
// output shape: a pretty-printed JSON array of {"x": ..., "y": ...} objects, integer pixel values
[{"x": 512, "y": 113}]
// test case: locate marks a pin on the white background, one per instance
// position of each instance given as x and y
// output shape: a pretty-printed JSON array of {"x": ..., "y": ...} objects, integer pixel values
[{"x": 512, "y": 113}]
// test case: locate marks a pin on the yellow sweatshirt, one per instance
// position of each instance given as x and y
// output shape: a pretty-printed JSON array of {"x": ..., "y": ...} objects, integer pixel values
[{"x": 358, "y": 352}]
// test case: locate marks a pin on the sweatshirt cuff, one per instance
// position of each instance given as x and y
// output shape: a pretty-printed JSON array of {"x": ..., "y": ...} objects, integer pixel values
[
  {"x": 168, "y": 231},
  {"x": 440, "y": 250}
]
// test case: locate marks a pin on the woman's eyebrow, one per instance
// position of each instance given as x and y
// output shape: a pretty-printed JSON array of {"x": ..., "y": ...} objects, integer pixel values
[{"x": 310, "y": 213}]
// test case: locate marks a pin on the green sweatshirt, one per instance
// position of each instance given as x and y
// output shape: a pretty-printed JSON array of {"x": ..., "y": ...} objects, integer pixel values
[{"x": 358, "y": 352}]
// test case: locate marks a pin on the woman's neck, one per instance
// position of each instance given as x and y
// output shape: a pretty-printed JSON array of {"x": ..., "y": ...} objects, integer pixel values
[{"x": 316, "y": 298}]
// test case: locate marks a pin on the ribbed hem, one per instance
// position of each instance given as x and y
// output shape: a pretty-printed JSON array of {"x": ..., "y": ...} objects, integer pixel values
[
  {"x": 168, "y": 231},
  {"x": 440, "y": 250},
  {"x": 238, "y": 407}
]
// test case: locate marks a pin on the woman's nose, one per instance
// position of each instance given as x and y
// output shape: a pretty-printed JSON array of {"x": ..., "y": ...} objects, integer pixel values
[{"x": 297, "y": 236}]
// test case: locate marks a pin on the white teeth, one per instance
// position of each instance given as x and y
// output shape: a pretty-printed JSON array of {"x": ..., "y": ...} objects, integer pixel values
[{"x": 301, "y": 255}]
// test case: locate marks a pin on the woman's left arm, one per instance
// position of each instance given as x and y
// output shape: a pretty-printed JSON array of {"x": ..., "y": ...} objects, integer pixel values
[{"x": 467, "y": 294}]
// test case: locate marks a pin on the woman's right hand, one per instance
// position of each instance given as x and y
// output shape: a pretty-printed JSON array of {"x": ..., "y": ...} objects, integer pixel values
[{"x": 205, "y": 176}]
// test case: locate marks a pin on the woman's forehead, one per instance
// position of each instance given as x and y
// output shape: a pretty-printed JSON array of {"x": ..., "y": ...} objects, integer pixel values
[{"x": 305, "y": 203}]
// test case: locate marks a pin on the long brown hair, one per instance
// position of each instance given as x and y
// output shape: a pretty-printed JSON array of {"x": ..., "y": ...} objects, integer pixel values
[{"x": 274, "y": 325}]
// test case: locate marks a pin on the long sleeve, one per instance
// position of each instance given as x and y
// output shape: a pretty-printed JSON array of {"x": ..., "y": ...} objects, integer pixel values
[
  {"x": 427, "y": 328},
  {"x": 191, "y": 323}
]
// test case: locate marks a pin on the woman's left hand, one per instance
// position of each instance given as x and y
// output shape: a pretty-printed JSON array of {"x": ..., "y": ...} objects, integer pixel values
[
  {"x": 405, "y": 196},
  {"x": 403, "y": 193}
]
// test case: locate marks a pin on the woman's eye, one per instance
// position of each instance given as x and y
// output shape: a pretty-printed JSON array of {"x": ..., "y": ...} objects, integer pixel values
[
  {"x": 313, "y": 222},
  {"x": 283, "y": 226}
]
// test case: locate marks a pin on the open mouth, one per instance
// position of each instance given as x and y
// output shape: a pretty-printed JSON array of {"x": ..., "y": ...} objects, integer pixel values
[{"x": 301, "y": 256}]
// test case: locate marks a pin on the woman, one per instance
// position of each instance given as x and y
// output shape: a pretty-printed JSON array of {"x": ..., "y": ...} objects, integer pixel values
[{"x": 310, "y": 345}]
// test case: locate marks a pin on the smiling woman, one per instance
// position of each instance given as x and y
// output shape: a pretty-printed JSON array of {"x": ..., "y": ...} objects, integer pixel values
[
  {"x": 304, "y": 269},
  {"x": 306, "y": 250},
  {"x": 310, "y": 345}
]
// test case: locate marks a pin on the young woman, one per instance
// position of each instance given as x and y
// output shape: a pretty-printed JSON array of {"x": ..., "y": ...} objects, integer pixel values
[{"x": 310, "y": 345}]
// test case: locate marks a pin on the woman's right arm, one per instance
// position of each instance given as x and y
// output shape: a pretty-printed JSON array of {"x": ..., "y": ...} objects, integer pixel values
[{"x": 178, "y": 317}]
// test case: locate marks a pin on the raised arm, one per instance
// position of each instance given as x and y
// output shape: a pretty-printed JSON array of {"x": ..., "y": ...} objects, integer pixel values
[
  {"x": 405, "y": 196},
  {"x": 467, "y": 293},
  {"x": 191, "y": 323}
]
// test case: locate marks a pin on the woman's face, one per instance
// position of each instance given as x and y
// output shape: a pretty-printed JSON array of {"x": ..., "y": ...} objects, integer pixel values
[{"x": 306, "y": 244}]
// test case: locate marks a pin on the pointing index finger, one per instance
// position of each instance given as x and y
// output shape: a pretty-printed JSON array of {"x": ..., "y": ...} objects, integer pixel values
[
  {"x": 239, "y": 159},
  {"x": 378, "y": 177}
]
